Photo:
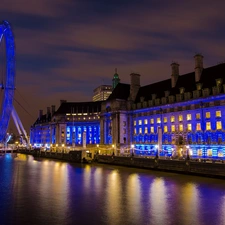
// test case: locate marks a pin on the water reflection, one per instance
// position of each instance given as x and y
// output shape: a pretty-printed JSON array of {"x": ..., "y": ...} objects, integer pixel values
[
  {"x": 190, "y": 203},
  {"x": 134, "y": 205},
  {"x": 158, "y": 200},
  {"x": 113, "y": 198},
  {"x": 222, "y": 210},
  {"x": 39, "y": 191}
]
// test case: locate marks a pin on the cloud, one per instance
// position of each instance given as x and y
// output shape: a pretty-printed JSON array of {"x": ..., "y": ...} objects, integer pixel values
[
  {"x": 46, "y": 8},
  {"x": 66, "y": 48}
]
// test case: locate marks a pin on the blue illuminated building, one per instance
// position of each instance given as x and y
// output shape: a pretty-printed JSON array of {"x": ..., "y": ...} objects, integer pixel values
[
  {"x": 66, "y": 126},
  {"x": 181, "y": 116}
]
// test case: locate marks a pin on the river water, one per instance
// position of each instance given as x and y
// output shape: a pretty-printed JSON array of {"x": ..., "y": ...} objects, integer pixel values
[{"x": 42, "y": 191}]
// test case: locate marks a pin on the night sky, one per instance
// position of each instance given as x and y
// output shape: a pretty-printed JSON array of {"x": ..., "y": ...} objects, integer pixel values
[{"x": 66, "y": 48}]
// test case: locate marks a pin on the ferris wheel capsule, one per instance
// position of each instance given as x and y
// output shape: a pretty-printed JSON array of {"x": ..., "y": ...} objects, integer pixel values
[{"x": 7, "y": 84}]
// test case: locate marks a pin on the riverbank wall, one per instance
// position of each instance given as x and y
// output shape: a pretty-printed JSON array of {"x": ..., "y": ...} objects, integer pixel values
[
  {"x": 72, "y": 156},
  {"x": 198, "y": 167},
  {"x": 192, "y": 167}
]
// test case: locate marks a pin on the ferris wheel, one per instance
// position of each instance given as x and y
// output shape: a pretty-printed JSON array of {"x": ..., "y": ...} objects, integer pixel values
[{"x": 7, "y": 78}]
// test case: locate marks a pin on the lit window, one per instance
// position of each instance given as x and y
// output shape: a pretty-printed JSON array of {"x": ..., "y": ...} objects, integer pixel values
[
  {"x": 165, "y": 119},
  {"x": 218, "y": 125},
  {"x": 218, "y": 113},
  {"x": 135, "y": 132},
  {"x": 188, "y": 116},
  {"x": 152, "y": 129},
  {"x": 139, "y": 122},
  {"x": 199, "y": 152},
  {"x": 165, "y": 129},
  {"x": 152, "y": 121},
  {"x": 146, "y": 130},
  {"x": 181, "y": 127},
  {"x": 189, "y": 127},
  {"x": 209, "y": 152},
  {"x": 218, "y": 82},
  {"x": 146, "y": 121},
  {"x": 208, "y": 125},
  {"x": 207, "y": 115},
  {"x": 198, "y": 116},
  {"x": 198, "y": 126},
  {"x": 172, "y": 118},
  {"x": 135, "y": 122},
  {"x": 158, "y": 120},
  {"x": 180, "y": 118},
  {"x": 140, "y": 130},
  {"x": 173, "y": 128}
]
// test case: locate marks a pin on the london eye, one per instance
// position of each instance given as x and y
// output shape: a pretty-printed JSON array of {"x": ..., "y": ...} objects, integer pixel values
[{"x": 7, "y": 82}]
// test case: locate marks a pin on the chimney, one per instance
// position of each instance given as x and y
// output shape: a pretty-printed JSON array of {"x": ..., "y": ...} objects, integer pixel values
[
  {"x": 134, "y": 85},
  {"x": 62, "y": 101},
  {"x": 40, "y": 113},
  {"x": 175, "y": 74},
  {"x": 53, "y": 109},
  {"x": 48, "y": 111},
  {"x": 198, "y": 66}
]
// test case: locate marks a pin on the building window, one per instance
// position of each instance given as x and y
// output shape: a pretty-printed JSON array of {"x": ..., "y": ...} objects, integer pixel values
[
  {"x": 135, "y": 132},
  {"x": 140, "y": 122},
  {"x": 189, "y": 127},
  {"x": 124, "y": 131},
  {"x": 209, "y": 152},
  {"x": 198, "y": 126},
  {"x": 152, "y": 129},
  {"x": 180, "y": 118},
  {"x": 199, "y": 152},
  {"x": 152, "y": 121},
  {"x": 135, "y": 123},
  {"x": 207, "y": 115},
  {"x": 218, "y": 125},
  {"x": 140, "y": 130},
  {"x": 198, "y": 116},
  {"x": 124, "y": 123},
  {"x": 173, "y": 128},
  {"x": 146, "y": 121},
  {"x": 181, "y": 127},
  {"x": 218, "y": 113},
  {"x": 172, "y": 119},
  {"x": 208, "y": 125},
  {"x": 165, "y": 129},
  {"x": 146, "y": 130},
  {"x": 165, "y": 119},
  {"x": 188, "y": 116},
  {"x": 158, "y": 120}
]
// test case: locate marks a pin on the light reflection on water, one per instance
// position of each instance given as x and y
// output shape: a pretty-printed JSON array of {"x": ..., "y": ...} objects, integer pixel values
[{"x": 44, "y": 191}]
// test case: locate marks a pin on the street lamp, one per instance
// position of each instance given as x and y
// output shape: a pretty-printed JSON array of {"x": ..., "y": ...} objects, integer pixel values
[
  {"x": 188, "y": 156},
  {"x": 56, "y": 149},
  {"x": 63, "y": 148},
  {"x": 97, "y": 148},
  {"x": 132, "y": 147},
  {"x": 157, "y": 151},
  {"x": 113, "y": 149}
]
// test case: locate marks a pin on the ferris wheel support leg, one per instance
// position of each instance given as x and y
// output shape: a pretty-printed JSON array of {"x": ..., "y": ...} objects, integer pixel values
[
  {"x": 19, "y": 123},
  {"x": 16, "y": 123}
]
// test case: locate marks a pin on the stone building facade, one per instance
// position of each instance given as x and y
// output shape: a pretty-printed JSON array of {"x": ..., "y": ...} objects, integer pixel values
[{"x": 181, "y": 115}]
